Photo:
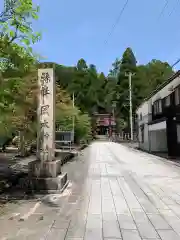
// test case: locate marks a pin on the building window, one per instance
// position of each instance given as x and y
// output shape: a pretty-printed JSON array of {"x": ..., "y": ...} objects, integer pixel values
[
  {"x": 142, "y": 134},
  {"x": 178, "y": 133},
  {"x": 140, "y": 116},
  {"x": 158, "y": 107},
  {"x": 155, "y": 108},
  {"x": 168, "y": 101},
  {"x": 177, "y": 96}
]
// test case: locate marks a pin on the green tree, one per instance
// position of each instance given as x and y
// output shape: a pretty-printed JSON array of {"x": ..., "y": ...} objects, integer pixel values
[
  {"x": 85, "y": 85},
  {"x": 78, "y": 85},
  {"x": 152, "y": 75},
  {"x": 18, "y": 108},
  {"x": 127, "y": 64},
  {"x": 64, "y": 75},
  {"x": 94, "y": 91},
  {"x": 110, "y": 93},
  {"x": 101, "y": 90},
  {"x": 17, "y": 35},
  {"x": 65, "y": 112},
  {"x": 115, "y": 69},
  {"x": 83, "y": 128},
  {"x": 93, "y": 86},
  {"x": 16, "y": 61}
]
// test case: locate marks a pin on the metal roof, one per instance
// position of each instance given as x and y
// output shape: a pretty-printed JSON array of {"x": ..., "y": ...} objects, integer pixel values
[{"x": 161, "y": 86}]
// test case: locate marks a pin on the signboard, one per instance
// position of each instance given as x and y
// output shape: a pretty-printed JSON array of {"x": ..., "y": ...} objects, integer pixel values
[{"x": 64, "y": 136}]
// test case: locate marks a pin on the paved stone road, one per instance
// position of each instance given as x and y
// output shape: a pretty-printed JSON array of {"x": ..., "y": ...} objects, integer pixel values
[{"x": 117, "y": 193}]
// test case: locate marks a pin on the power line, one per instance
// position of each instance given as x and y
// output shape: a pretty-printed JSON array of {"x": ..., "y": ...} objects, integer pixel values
[
  {"x": 163, "y": 9},
  {"x": 117, "y": 21},
  {"x": 175, "y": 63},
  {"x": 174, "y": 8}
]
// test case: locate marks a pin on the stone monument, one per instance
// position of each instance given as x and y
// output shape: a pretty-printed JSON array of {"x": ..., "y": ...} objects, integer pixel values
[{"x": 45, "y": 172}]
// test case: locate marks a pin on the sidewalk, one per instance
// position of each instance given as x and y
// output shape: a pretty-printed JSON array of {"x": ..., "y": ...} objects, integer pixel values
[
  {"x": 114, "y": 193},
  {"x": 163, "y": 156}
]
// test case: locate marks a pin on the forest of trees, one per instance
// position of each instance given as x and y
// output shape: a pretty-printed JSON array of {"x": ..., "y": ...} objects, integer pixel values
[{"x": 93, "y": 90}]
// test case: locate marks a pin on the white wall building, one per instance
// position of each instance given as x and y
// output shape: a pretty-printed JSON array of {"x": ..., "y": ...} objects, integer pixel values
[
  {"x": 143, "y": 119},
  {"x": 159, "y": 119}
]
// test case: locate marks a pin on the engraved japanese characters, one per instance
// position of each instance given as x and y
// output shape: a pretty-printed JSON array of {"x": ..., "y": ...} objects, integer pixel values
[{"x": 46, "y": 114}]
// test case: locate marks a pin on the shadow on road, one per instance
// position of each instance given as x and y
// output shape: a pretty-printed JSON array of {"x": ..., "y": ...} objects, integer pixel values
[
  {"x": 14, "y": 182},
  {"x": 13, "y": 177}
]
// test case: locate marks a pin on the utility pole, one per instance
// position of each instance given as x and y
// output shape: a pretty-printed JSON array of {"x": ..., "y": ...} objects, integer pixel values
[
  {"x": 129, "y": 75},
  {"x": 110, "y": 124},
  {"x": 113, "y": 114},
  {"x": 73, "y": 115}
]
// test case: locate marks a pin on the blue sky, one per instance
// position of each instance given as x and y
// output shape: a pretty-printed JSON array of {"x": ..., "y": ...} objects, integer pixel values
[{"x": 78, "y": 29}]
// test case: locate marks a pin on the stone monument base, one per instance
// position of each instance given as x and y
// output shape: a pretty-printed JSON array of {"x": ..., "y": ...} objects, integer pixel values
[{"x": 46, "y": 177}]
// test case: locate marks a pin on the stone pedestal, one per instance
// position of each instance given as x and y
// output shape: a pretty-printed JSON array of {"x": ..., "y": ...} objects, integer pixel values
[{"x": 46, "y": 177}]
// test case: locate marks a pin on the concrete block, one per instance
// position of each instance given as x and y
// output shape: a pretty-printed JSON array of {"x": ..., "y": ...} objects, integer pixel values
[
  {"x": 93, "y": 233},
  {"x": 76, "y": 232},
  {"x": 146, "y": 230},
  {"x": 158, "y": 222},
  {"x": 126, "y": 222},
  {"x": 56, "y": 234},
  {"x": 130, "y": 235},
  {"x": 168, "y": 235},
  {"x": 47, "y": 169},
  {"x": 111, "y": 229},
  {"x": 49, "y": 185}
]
